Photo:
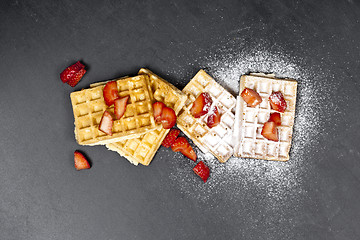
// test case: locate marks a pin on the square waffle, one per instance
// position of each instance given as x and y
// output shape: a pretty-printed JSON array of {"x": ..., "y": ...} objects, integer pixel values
[
  {"x": 249, "y": 121},
  {"x": 217, "y": 140},
  {"x": 89, "y": 106},
  {"x": 142, "y": 149}
]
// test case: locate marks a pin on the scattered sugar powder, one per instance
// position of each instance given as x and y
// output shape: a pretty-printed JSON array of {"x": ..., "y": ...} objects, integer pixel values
[{"x": 273, "y": 184}]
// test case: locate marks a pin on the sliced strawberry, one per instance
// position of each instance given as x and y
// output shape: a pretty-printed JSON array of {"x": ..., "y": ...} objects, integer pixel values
[
  {"x": 251, "y": 97},
  {"x": 120, "y": 106},
  {"x": 76, "y": 78},
  {"x": 168, "y": 118},
  {"x": 106, "y": 123},
  {"x": 110, "y": 93},
  {"x": 70, "y": 72},
  {"x": 270, "y": 132},
  {"x": 276, "y": 118},
  {"x": 157, "y": 109},
  {"x": 180, "y": 144},
  {"x": 277, "y": 102},
  {"x": 80, "y": 161},
  {"x": 170, "y": 137},
  {"x": 202, "y": 171},
  {"x": 201, "y": 105},
  {"x": 213, "y": 118},
  {"x": 189, "y": 153}
]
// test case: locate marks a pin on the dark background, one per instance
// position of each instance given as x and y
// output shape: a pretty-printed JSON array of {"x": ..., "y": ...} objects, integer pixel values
[{"x": 42, "y": 196}]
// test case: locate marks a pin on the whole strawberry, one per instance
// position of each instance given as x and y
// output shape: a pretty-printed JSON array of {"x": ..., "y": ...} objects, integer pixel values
[{"x": 73, "y": 74}]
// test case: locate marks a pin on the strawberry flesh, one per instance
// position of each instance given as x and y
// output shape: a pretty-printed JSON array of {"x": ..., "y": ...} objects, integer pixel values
[
  {"x": 251, "y": 97},
  {"x": 80, "y": 161},
  {"x": 213, "y": 118},
  {"x": 168, "y": 118},
  {"x": 157, "y": 110},
  {"x": 72, "y": 71},
  {"x": 120, "y": 106},
  {"x": 170, "y": 137},
  {"x": 270, "y": 132},
  {"x": 277, "y": 102},
  {"x": 201, "y": 105},
  {"x": 189, "y": 153},
  {"x": 106, "y": 123},
  {"x": 276, "y": 118},
  {"x": 110, "y": 93},
  {"x": 202, "y": 171},
  {"x": 180, "y": 144}
]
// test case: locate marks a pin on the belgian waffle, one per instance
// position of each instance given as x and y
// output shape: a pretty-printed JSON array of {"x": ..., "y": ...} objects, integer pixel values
[
  {"x": 89, "y": 106},
  {"x": 142, "y": 149},
  {"x": 249, "y": 121},
  {"x": 217, "y": 140}
]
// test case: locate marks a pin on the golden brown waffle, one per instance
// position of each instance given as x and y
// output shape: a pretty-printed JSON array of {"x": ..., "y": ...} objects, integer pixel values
[
  {"x": 89, "y": 106},
  {"x": 142, "y": 149},
  {"x": 249, "y": 121},
  {"x": 217, "y": 140}
]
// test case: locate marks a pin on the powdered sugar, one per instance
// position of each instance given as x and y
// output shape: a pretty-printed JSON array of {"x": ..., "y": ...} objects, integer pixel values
[{"x": 272, "y": 183}]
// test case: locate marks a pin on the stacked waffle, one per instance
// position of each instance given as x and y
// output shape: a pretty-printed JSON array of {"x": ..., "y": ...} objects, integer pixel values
[{"x": 137, "y": 137}]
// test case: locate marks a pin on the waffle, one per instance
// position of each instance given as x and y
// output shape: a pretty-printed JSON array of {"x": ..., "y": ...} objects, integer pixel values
[
  {"x": 217, "y": 140},
  {"x": 142, "y": 149},
  {"x": 249, "y": 121},
  {"x": 89, "y": 106}
]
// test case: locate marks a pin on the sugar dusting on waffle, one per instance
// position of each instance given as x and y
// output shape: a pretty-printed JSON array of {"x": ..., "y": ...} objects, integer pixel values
[{"x": 275, "y": 184}]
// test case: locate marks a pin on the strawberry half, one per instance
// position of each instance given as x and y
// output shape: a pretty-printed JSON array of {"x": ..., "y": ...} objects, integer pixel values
[
  {"x": 202, "y": 171},
  {"x": 70, "y": 71},
  {"x": 201, "y": 105},
  {"x": 110, "y": 93},
  {"x": 106, "y": 123},
  {"x": 80, "y": 161},
  {"x": 277, "y": 102},
  {"x": 168, "y": 118},
  {"x": 251, "y": 97},
  {"x": 170, "y": 137},
  {"x": 183, "y": 146},
  {"x": 180, "y": 144},
  {"x": 270, "y": 132},
  {"x": 276, "y": 118},
  {"x": 213, "y": 118},
  {"x": 157, "y": 110},
  {"x": 120, "y": 106}
]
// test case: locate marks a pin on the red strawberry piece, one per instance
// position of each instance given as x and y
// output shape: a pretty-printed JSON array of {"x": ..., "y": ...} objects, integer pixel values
[
  {"x": 213, "y": 118},
  {"x": 276, "y": 118},
  {"x": 168, "y": 118},
  {"x": 106, "y": 123},
  {"x": 110, "y": 93},
  {"x": 270, "y": 132},
  {"x": 189, "y": 153},
  {"x": 183, "y": 146},
  {"x": 180, "y": 144},
  {"x": 70, "y": 71},
  {"x": 202, "y": 171},
  {"x": 80, "y": 161},
  {"x": 277, "y": 102},
  {"x": 251, "y": 97},
  {"x": 201, "y": 105},
  {"x": 170, "y": 137},
  {"x": 157, "y": 110},
  {"x": 76, "y": 78},
  {"x": 120, "y": 106}
]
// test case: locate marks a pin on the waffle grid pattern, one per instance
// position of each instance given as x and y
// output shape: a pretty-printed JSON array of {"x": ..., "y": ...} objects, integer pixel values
[
  {"x": 250, "y": 121},
  {"x": 218, "y": 140},
  {"x": 89, "y": 106},
  {"x": 142, "y": 149}
]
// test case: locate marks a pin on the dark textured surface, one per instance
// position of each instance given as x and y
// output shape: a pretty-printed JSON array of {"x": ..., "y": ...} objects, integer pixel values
[{"x": 43, "y": 197}]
